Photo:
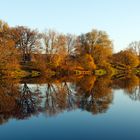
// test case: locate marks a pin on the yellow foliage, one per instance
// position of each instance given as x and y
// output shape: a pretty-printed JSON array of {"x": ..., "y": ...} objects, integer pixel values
[{"x": 87, "y": 62}]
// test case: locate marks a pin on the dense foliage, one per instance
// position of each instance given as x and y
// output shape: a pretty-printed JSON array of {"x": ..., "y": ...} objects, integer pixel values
[{"x": 24, "y": 48}]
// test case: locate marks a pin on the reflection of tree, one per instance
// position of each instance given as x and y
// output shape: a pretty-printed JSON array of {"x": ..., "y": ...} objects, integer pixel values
[
  {"x": 91, "y": 94},
  {"x": 85, "y": 85},
  {"x": 55, "y": 98},
  {"x": 95, "y": 105},
  {"x": 130, "y": 85},
  {"x": 28, "y": 102},
  {"x": 135, "y": 95},
  {"x": 71, "y": 96},
  {"x": 8, "y": 97},
  {"x": 95, "y": 97},
  {"x": 59, "y": 97},
  {"x": 16, "y": 103}
]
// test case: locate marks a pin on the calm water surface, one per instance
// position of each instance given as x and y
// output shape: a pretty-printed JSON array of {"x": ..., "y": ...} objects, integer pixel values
[{"x": 86, "y": 109}]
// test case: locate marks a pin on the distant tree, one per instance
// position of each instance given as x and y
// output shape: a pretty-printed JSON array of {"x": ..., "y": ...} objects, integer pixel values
[
  {"x": 128, "y": 58},
  {"x": 70, "y": 44},
  {"x": 135, "y": 46},
  {"x": 25, "y": 40}
]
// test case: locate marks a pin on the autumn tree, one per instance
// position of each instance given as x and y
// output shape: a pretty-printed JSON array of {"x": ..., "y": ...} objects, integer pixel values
[
  {"x": 9, "y": 57},
  {"x": 55, "y": 45},
  {"x": 97, "y": 44},
  {"x": 87, "y": 62},
  {"x": 127, "y": 58},
  {"x": 25, "y": 40}
]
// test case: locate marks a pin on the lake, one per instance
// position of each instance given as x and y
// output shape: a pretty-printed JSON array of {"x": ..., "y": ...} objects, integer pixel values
[{"x": 74, "y": 108}]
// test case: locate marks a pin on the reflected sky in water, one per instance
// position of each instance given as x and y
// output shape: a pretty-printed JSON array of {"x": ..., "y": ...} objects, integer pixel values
[{"x": 114, "y": 115}]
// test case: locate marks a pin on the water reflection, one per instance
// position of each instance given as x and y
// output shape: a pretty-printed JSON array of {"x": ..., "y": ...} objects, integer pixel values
[
  {"x": 130, "y": 84},
  {"x": 23, "y": 99}
]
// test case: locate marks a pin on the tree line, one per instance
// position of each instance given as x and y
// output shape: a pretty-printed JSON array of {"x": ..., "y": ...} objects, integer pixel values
[{"x": 25, "y": 48}]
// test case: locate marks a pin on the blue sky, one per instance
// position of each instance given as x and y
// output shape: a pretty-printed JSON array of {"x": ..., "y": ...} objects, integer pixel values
[{"x": 119, "y": 18}]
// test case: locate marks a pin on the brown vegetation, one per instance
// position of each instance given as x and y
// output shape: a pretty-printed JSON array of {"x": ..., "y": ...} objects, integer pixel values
[{"x": 21, "y": 47}]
